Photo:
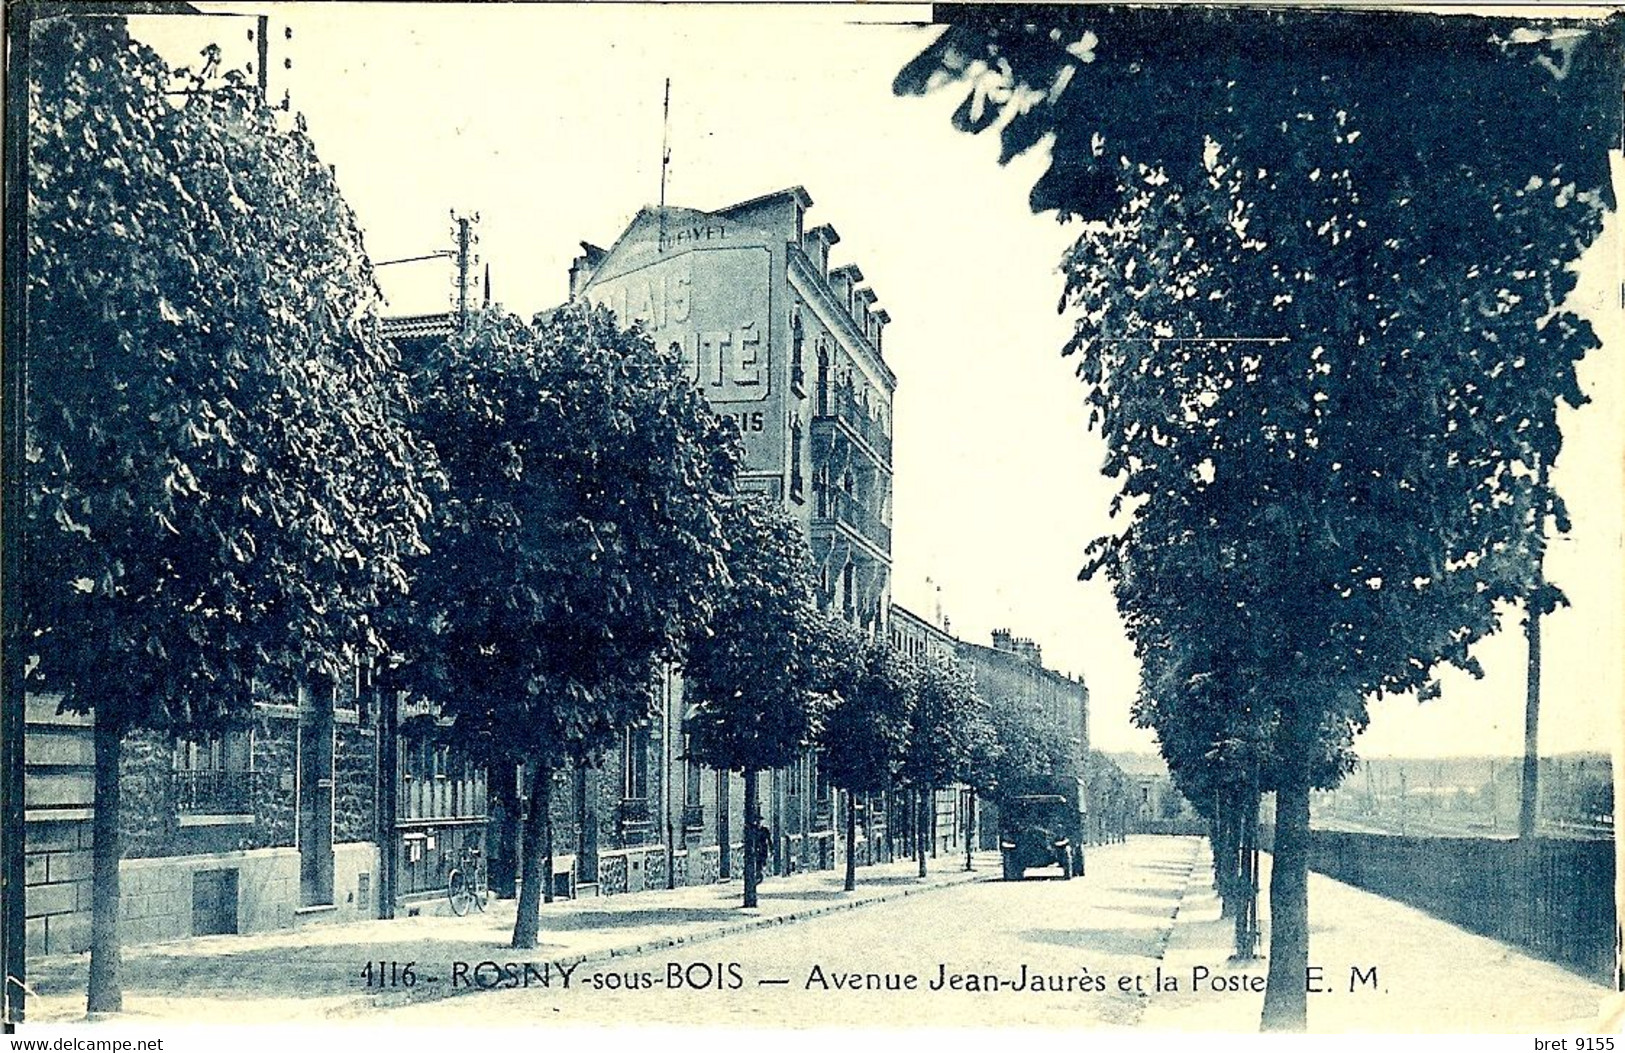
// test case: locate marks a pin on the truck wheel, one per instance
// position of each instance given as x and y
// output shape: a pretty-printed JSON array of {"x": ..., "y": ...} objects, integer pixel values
[
  {"x": 1066, "y": 864},
  {"x": 1012, "y": 872}
]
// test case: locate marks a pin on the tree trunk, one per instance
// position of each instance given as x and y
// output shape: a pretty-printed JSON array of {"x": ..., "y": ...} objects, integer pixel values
[
  {"x": 852, "y": 841},
  {"x": 970, "y": 826},
  {"x": 920, "y": 828},
  {"x": 1246, "y": 881},
  {"x": 544, "y": 794},
  {"x": 753, "y": 816},
  {"x": 106, "y": 991},
  {"x": 725, "y": 868},
  {"x": 528, "y": 921},
  {"x": 1285, "y": 1001},
  {"x": 1225, "y": 858},
  {"x": 1529, "y": 791}
]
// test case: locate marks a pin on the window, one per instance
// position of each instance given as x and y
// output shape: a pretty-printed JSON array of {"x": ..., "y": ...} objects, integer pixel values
[
  {"x": 795, "y": 457},
  {"x": 798, "y": 376},
  {"x": 691, "y": 780},
  {"x": 211, "y": 772},
  {"x": 635, "y": 763},
  {"x": 823, "y": 380}
]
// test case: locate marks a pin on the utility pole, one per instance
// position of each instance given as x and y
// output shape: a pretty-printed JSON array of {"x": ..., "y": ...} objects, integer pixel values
[
  {"x": 665, "y": 161},
  {"x": 387, "y": 705},
  {"x": 466, "y": 238},
  {"x": 667, "y": 768},
  {"x": 14, "y": 383}
]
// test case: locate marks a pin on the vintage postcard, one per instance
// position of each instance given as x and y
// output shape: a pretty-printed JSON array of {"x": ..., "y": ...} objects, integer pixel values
[{"x": 797, "y": 516}]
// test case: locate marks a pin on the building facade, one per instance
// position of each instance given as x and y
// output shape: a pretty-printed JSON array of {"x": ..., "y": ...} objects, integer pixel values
[
  {"x": 1011, "y": 672},
  {"x": 268, "y": 823},
  {"x": 790, "y": 348}
]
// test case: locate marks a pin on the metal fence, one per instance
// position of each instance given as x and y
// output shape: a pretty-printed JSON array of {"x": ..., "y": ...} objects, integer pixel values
[
  {"x": 1551, "y": 896},
  {"x": 211, "y": 791}
]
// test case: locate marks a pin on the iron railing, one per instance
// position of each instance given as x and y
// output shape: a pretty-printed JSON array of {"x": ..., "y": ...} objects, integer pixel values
[
  {"x": 844, "y": 508},
  {"x": 213, "y": 792}
]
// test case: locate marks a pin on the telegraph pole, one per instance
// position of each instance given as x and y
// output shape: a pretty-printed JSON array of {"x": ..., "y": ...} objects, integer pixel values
[
  {"x": 466, "y": 240},
  {"x": 665, "y": 161},
  {"x": 13, "y": 380}
]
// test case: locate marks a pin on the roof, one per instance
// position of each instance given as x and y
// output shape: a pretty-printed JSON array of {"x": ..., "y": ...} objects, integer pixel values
[
  {"x": 798, "y": 193},
  {"x": 826, "y": 232},
  {"x": 1140, "y": 764},
  {"x": 419, "y": 326}
]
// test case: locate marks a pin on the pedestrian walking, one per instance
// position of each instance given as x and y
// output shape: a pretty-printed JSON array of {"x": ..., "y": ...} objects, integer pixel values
[{"x": 761, "y": 842}]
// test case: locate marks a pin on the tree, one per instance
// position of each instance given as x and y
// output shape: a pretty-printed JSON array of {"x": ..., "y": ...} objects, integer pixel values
[
  {"x": 940, "y": 738},
  {"x": 754, "y": 674},
  {"x": 1029, "y": 752},
  {"x": 219, "y": 489},
  {"x": 865, "y": 735},
  {"x": 580, "y": 538},
  {"x": 1322, "y": 325}
]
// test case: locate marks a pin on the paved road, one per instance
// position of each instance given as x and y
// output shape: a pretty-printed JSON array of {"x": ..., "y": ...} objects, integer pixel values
[{"x": 1042, "y": 952}]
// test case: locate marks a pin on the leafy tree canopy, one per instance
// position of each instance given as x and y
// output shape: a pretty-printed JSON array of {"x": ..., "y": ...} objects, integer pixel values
[
  {"x": 1320, "y": 316},
  {"x": 865, "y": 737},
  {"x": 1028, "y": 752},
  {"x": 219, "y": 488},
  {"x": 582, "y": 534},
  {"x": 945, "y": 728},
  {"x": 758, "y": 674}
]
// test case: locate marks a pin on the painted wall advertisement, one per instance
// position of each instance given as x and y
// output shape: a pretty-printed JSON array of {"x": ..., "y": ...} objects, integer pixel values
[{"x": 713, "y": 305}]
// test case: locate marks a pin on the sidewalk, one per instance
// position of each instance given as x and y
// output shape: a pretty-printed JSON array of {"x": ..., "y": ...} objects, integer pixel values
[
  {"x": 316, "y": 973},
  {"x": 1429, "y": 975}
]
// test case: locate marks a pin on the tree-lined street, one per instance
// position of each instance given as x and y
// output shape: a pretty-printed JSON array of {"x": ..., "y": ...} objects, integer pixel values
[
  {"x": 612, "y": 556},
  {"x": 1146, "y": 904}
]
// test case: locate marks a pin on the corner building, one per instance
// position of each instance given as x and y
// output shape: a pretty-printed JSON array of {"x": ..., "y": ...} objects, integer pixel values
[
  {"x": 791, "y": 348},
  {"x": 788, "y": 347}
]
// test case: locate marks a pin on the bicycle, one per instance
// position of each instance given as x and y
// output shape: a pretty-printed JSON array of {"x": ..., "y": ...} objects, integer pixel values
[{"x": 466, "y": 885}]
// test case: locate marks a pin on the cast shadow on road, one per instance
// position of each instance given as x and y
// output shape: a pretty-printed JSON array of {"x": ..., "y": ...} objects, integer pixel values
[
  {"x": 811, "y": 894},
  {"x": 1142, "y": 943},
  {"x": 1146, "y": 910},
  {"x": 609, "y": 919}
]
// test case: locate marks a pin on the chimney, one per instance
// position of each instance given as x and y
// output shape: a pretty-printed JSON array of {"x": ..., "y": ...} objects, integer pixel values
[
  {"x": 583, "y": 267},
  {"x": 882, "y": 320},
  {"x": 817, "y": 244},
  {"x": 843, "y": 281},
  {"x": 1001, "y": 640},
  {"x": 862, "y": 302}
]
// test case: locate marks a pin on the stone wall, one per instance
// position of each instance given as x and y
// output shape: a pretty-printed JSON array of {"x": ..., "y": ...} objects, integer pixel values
[
  {"x": 274, "y": 762},
  {"x": 58, "y": 887},
  {"x": 354, "y": 783},
  {"x": 146, "y": 814}
]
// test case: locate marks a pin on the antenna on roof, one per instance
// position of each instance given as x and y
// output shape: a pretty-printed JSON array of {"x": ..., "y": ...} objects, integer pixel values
[{"x": 665, "y": 159}]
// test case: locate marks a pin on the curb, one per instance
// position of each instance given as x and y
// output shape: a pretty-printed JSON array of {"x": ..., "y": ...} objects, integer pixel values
[{"x": 417, "y": 996}]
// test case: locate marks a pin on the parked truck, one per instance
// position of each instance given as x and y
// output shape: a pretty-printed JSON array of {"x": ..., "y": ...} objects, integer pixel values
[{"x": 1043, "y": 829}]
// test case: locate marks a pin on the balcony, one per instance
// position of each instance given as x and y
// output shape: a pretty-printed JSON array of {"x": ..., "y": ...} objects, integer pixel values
[
  {"x": 855, "y": 515},
  {"x": 213, "y": 792},
  {"x": 843, "y": 409}
]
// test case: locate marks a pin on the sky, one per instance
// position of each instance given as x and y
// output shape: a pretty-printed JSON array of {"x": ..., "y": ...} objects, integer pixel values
[{"x": 546, "y": 120}]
